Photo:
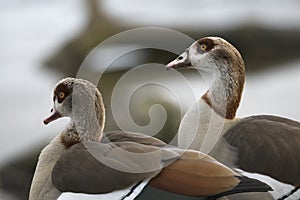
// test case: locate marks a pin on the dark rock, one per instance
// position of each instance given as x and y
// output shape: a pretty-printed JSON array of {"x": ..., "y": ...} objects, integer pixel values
[{"x": 261, "y": 47}]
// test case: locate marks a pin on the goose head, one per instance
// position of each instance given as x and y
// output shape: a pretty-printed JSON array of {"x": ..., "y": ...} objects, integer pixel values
[
  {"x": 81, "y": 101},
  {"x": 210, "y": 54},
  {"x": 218, "y": 57}
]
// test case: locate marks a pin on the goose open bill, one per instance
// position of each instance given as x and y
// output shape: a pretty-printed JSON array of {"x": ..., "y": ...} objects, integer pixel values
[
  {"x": 263, "y": 144},
  {"x": 82, "y": 159}
]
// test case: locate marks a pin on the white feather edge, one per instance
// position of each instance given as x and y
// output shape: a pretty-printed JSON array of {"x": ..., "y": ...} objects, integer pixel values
[{"x": 125, "y": 194}]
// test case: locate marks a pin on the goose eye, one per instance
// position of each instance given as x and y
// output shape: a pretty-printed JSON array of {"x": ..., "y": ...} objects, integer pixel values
[
  {"x": 203, "y": 47},
  {"x": 61, "y": 95}
]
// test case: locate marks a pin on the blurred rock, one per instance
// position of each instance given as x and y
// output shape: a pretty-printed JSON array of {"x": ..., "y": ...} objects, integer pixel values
[
  {"x": 261, "y": 47},
  {"x": 68, "y": 59}
]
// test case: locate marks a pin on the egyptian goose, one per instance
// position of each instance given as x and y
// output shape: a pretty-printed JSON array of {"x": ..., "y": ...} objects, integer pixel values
[
  {"x": 263, "y": 144},
  {"x": 82, "y": 159}
]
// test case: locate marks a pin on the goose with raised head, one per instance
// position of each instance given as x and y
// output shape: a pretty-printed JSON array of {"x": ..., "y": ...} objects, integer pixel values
[
  {"x": 263, "y": 144},
  {"x": 82, "y": 159}
]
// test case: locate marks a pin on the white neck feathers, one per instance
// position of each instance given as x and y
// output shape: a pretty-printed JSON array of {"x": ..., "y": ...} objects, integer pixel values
[{"x": 201, "y": 128}]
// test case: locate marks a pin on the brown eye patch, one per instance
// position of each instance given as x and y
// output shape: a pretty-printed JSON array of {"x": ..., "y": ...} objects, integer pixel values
[
  {"x": 205, "y": 44},
  {"x": 62, "y": 91}
]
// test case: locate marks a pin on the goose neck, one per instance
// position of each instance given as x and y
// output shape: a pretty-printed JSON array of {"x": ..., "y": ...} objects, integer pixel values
[{"x": 225, "y": 93}]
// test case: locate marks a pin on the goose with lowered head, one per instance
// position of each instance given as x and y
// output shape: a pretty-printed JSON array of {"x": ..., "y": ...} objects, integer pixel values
[{"x": 82, "y": 159}]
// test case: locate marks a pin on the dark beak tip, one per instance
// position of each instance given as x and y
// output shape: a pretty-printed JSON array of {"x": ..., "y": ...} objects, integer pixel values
[{"x": 54, "y": 116}]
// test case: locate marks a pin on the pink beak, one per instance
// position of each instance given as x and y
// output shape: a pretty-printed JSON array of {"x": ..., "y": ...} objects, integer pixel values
[{"x": 179, "y": 62}]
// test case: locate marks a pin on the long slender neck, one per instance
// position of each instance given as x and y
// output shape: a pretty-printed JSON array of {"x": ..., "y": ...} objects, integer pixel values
[
  {"x": 225, "y": 93},
  {"x": 88, "y": 116}
]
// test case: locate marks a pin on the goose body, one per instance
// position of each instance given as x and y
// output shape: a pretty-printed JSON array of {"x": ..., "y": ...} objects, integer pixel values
[
  {"x": 82, "y": 159},
  {"x": 264, "y": 144}
]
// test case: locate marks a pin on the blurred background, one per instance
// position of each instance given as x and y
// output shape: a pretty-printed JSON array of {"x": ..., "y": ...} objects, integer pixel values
[{"x": 44, "y": 41}]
